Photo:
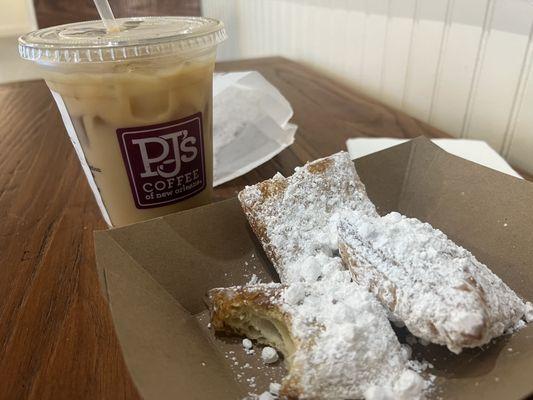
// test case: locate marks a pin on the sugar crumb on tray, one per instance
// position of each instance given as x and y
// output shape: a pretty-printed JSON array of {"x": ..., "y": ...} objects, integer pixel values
[
  {"x": 247, "y": 344},
  {"x": 528, "y": 314},
  {"x": 274, "y": 388},
  {"x": 266, "y": 396},
  {"x": 269, "y": 355}
]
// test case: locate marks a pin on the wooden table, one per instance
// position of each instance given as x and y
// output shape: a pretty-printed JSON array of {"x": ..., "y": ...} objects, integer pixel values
[{"x": 56, "y": 334}]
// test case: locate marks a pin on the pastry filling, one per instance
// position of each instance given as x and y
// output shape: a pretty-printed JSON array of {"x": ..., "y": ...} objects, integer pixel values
[{"x": 263, "y": 328}]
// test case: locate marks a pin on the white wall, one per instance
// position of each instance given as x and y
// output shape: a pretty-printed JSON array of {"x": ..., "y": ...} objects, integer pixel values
[
  {"x": 462, "y": 65},
  {"x": 16, "y": 17}
]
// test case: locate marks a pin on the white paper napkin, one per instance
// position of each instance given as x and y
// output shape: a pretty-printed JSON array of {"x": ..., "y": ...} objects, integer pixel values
[
  {"x": 250, "y": 123},
  {"x": 474, "y": 150}
]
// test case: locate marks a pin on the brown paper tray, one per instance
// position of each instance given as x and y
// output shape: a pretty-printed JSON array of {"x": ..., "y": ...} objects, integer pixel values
[{"x": 155, "y": 275}]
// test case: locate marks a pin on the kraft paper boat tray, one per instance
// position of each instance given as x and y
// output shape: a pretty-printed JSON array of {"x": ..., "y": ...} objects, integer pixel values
[{"x": 155, "y": 275}]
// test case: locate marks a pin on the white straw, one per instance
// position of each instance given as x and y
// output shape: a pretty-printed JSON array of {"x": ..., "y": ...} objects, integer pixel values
[{"x": 106, "y": 14}]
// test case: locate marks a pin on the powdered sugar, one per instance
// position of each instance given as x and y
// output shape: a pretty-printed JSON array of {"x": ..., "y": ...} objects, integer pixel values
[
  {"x": 296, "y": 217},
  {"x": 528, "y": 312},
  {"x": 353, "y": 345},
  {"x": 516, "y": 327},
  {"x": 294, "y": 294},
  {"x": 343, "y": 344},
  {"x": 274, "y": 388},
  {"x": 269, "y": 355},
  {"x": 271, "y": 394},
  {"x": 420, "y": 366},
  {"x": 266, "y": 396},
  {"x": 439, "y": 290},
  {"x": 316, "y": 268},
  {"x": 247, "y": 344},
  {"x": 407, "y": 387},
  {"x": 254, "y": 279}
]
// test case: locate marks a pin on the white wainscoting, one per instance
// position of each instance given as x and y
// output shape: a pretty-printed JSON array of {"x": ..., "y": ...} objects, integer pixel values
[
  {"x": 16, "y": 17},
  {"x": 462, "y": 65}
]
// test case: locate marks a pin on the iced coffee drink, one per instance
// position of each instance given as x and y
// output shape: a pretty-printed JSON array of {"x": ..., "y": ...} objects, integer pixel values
[{"x": 138, "y": 111}]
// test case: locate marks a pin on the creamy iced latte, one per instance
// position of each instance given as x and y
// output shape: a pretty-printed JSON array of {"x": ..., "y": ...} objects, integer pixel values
[{"x": 140, "y": 116}]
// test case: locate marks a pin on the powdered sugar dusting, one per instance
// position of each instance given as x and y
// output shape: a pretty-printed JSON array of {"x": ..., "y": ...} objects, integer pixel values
[
  {"x": 297, "y": 216},
  {"x": 354, "y": 346},
  {"x": 439, "y": 290},
  {"x": 528, "y": 312},
  {"x": 274, "y": 388},
  {"x": 269, "y": 355},
  {"x": 350, "y": 345},
  {"x": 407, "y": 387},
  {"x": 345, "y": 344},
  {"x": 254, "y": 279},
  {"x": 266, "y": 396}
]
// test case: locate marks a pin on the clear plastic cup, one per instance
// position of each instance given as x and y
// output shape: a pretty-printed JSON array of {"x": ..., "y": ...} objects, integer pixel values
[{"x": 137, "y": 105}]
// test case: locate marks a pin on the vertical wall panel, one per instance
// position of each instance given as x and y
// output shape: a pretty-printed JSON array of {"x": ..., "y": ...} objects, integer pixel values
[
  {"x": 339, "y": 41},
  {"x": 396, "y": 53},
  {"x": 284, "y": 22},
  {"x": 280, "y": 25},
  {"x": 259, "y": 24},
  {"x": 228, "y": 13},
  {"x": 374, "y": 45},
  {"x": 428, "y": 41},
  {"x": 313, "y": 18},
  {"x": 500, "y": 72},
  {"x": 299, "y": 30},
  {"x": 333, "y": 33},
  {"x": 458, "y": 65},
  {"x": 519, "y": 143},
  {"x": 251, "y": 26},
  {"x": 354, "y": 32},
  {"x": 272, "y": 31},
  {"x": 322, "y": 34}
]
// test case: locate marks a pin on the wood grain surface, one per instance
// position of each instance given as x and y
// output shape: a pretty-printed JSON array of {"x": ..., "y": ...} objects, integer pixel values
[
  {"x": 57, "y": 12},
  {"x": 56, "y": 335}
]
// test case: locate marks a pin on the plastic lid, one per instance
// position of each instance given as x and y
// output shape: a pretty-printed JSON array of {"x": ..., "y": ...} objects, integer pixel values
[{"x": 88, "y": 42}]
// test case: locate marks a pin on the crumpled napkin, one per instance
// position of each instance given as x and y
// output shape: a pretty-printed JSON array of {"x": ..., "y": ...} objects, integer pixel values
[{"x": 250, "y": 123}]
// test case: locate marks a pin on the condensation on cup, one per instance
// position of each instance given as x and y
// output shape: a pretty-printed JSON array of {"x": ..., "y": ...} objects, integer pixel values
[{"x": 137, "y": 106}]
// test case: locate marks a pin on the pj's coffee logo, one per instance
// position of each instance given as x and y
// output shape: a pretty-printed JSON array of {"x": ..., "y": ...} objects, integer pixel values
[{"x": 165, "y": 162}]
